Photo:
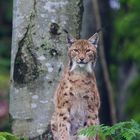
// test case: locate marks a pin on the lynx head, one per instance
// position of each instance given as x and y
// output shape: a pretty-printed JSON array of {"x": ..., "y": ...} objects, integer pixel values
[{"x": 82, "y": 53}]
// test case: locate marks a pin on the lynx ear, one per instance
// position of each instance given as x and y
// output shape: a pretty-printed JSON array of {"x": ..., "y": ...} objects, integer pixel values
[
  {"x": 94, "y": 39},
  {"x": 70, "y": 38}
]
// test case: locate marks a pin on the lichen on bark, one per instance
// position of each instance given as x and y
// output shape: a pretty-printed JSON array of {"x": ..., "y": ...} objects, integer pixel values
[{"x": 39, "y": 51}]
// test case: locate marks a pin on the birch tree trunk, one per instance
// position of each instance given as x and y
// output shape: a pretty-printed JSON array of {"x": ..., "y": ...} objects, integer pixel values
[{"x": 38, "y": 57}]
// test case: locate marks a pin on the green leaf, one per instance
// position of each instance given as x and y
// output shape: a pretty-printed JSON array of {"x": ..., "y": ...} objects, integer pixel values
[
  {"x": 8, "y": 136},
  {"x": 2, "y": 138}
]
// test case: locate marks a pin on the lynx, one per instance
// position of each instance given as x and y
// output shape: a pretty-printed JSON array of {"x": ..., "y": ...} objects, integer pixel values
[{"x": 77, "y": 100}]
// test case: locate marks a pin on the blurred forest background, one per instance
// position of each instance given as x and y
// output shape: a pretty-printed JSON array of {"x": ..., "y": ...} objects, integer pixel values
[
  {"x": 5, "y": 50},
  {"x": 120, "y": 24}
]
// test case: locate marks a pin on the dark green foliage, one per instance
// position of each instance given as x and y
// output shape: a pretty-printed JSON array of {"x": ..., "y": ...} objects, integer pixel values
[
  {"x": 126, "y": 50},
  {"x": 5, "y": 41},
  {"x": 120, "y": 131},
  {"x": 126, "y": 38},
  {"x": 5, "y": 51},
  {"x": 133, "y": 106}
]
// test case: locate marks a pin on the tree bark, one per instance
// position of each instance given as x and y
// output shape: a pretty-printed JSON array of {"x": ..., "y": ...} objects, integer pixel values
[
  {"x": 104, "y": 64},
  {"x": 38, "y": 56}
]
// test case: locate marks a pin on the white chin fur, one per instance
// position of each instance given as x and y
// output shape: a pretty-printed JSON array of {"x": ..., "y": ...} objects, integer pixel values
[
  {"x": 89, "y": 67},
  {"x": 74, "y": 64},
  {"x": 81, "y": 65}
]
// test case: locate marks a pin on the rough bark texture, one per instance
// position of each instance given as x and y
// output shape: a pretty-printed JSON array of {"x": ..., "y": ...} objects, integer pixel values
[{"x": 38, "y": 57}]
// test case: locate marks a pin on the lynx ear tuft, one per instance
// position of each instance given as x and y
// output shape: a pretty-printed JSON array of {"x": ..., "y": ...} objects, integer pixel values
[
  {"x": 94, "y": 39},
  {"x": 70, "y": 38}
]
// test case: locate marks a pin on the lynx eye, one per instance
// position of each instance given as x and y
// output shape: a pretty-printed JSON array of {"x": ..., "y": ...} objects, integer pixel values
[
  {"x": 76, "y": 50},
  {"x": 88, "y": 50}
]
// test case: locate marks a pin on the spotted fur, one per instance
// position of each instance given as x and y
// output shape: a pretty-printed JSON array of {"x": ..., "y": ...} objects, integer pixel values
[{"x": 77, "y": 100}]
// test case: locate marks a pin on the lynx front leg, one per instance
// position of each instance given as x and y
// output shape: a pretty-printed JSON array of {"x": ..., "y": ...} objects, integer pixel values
[
  {"x": 90, "y": 121},
  {"x": 63, "y": 132},
  {"x": 54, "y": 127},
  {"x": 93, "y": 119},
  {"x": 63, "y": 125}
]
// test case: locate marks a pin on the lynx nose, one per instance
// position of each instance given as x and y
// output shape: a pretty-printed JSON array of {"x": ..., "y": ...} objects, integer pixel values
[{"x": 81, "y": 59}]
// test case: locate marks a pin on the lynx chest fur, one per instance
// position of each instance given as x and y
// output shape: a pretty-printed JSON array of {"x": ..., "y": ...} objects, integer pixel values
[{"x": 77, "y": 99}]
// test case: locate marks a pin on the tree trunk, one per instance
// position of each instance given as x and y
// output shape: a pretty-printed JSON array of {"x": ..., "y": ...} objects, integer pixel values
[
  {"x": 104, "y": 64},
  {"x": 38, "y": 57},
  {"x": 126, "y": 74}
]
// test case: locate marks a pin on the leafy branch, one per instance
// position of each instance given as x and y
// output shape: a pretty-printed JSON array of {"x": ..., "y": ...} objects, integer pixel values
[{"x": 120, "y": 131}]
